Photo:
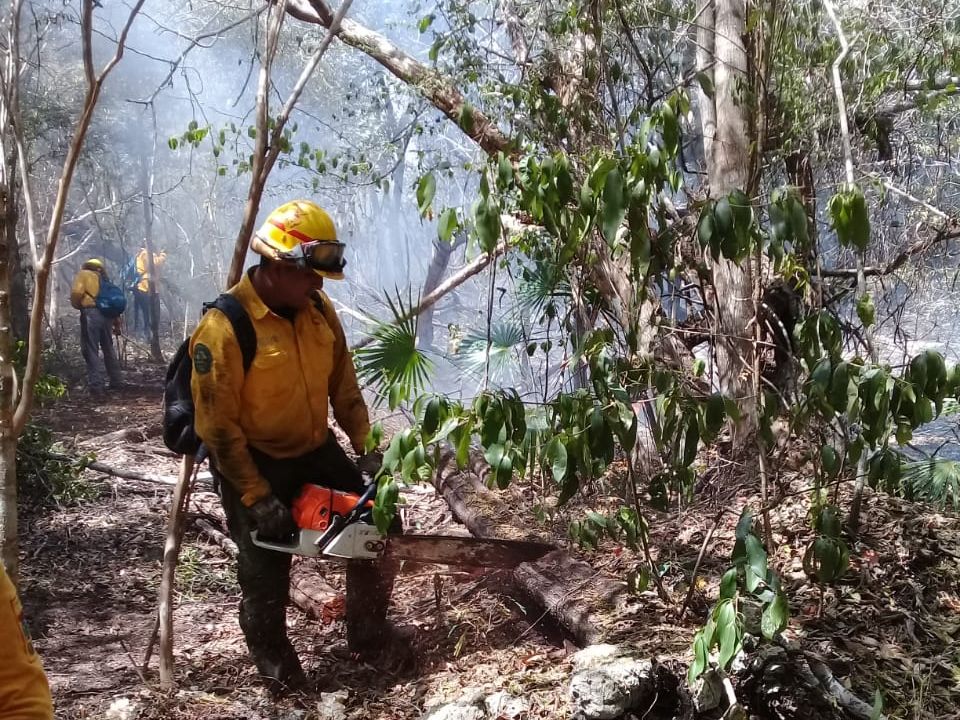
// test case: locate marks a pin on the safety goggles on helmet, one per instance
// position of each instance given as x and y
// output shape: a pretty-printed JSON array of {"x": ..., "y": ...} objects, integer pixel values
[{"x": 318, "y": 255}]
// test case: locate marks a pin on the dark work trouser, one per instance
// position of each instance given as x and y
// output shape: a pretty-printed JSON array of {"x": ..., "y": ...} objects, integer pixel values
[
  {"x": 264, "y": 575},
  {"x": 141, "y": 311},
  {"x": 95, "y": 338}
]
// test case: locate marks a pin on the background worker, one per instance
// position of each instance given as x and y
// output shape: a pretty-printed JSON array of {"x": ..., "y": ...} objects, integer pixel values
[
  {"x": 267, "y": 431},
  {"x": 24, "y": 692},
  {"x": 95, "y": 329},
  {"x": 141, "y": 288}
]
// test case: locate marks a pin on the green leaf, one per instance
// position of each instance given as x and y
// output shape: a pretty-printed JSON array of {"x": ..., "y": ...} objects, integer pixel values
[
  {"x": 706, "y": 227},
  {"x": 728, "y": 628},
  {"x": 701, "y": 656},
  {"x": 614, "y": 205},
  {"x": 385, "y": 506},
  {"x": 756, "y": 571},
  {"x": 447, "y": 224},
  {"x": 706, "y": 83},
  {"x": 774, "y": 617},
  {"x": 556, "y": 455},
  {"x": 728, "y": 584},
  {"x": 865, "y": 310},
  {"x": 426, "y": 189},
  {"x": 799, "y": 223},
  {"x": 466, "y": 117},
  {"x": 504, "y": 172},
  {"x": 713, "y": 416},
  {"x": 431, "y": 416},
  {"x": 671, "y": 128},
  {"x": 425, "y": 22},
  {"x": 829, "y": 460},
  {"x": 690, "y": 442},
  {"x": 744, "y": 525},
  {"x": 876, "y": 712}
]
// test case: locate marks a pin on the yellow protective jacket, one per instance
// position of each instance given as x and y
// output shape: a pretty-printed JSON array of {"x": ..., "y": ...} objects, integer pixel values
[
  {"x": 280, "y": 405},
  {"x": 86, "y": 285},
  {"x": 24, "y": 692},
  {"x": 143, "y": 268}
]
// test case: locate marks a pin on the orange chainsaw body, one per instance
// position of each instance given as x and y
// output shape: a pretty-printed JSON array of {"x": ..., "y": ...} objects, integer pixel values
[{"x": 316, "y": 506}]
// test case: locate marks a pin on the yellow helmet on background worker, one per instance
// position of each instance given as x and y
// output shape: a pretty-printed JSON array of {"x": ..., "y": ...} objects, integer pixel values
[
  {"x": 301, "y": 232},
  {"x": 93, "y": 264}
]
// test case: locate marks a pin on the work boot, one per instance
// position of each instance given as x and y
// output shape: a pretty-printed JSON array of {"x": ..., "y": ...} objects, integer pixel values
[{"x": 279, "y": 668}]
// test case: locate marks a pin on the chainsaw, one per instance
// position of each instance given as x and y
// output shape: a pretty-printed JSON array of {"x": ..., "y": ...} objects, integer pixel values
[{"x": 339, "y": 525}]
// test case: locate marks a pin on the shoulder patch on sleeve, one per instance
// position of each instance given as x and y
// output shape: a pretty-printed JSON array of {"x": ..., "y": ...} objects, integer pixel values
[{"x": 202, "y": 359}]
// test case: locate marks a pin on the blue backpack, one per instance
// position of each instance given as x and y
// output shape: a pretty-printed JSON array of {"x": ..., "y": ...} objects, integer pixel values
[
  {"x": 110, "y": 299},
  {"x": 130, "y": 278}
]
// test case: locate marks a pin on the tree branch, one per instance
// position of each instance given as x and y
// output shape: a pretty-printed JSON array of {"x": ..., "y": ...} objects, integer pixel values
[
  {"x": 440, "y": 91},
  {"x": 94, "y": 86},
  {"x": 451, "y": 283}
]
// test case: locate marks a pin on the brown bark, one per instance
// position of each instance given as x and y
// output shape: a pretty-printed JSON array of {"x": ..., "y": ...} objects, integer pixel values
[
  {"x": 171, "y": 552},
  {"x": 8, "y": 438},
  {"x": 314, "y": 595},
  {"x": 729, "y": 169},
  {"x": 146, "y": 187}
]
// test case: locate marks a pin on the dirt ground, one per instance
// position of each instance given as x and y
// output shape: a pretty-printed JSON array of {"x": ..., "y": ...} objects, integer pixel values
[{"x": 90, "y": 572}]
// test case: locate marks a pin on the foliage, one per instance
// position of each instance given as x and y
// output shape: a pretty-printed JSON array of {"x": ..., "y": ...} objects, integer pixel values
[
  {"x": 392, "y": 363},
  {"x": 45, "y": 474},
  {"x": 749, "y": 582},
  {"x": 935, "y": 480},
  {"x": 49, "y": 477}
]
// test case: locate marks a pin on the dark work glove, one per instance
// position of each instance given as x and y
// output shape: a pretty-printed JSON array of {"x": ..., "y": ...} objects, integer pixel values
[
  {"x": 272, "y": 518},
  {"x": 370, "y": 463}
]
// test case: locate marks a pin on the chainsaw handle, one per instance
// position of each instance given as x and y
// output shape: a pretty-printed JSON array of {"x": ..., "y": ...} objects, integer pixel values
[
  {"x": 339, "y": 522},
  {"x": 287, "y": 547},
  {"x": 361, "y": 505}
]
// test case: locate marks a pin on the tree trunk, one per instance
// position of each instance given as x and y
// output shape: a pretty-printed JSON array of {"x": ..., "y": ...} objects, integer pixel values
[
  {"x": 146, "y": 187},
  {"x": 16, "y": 273},
  {"x": 729, "y": 169},
  {"x": 8, "y": 438},
  {"x": 438, "y": 266}
]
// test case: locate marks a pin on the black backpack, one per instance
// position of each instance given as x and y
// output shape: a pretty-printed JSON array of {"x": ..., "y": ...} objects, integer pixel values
[{"x": 178, "y": 412}]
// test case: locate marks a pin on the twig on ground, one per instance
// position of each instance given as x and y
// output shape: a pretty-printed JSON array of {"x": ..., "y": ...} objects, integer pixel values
[{"x": 696, "y": 566}]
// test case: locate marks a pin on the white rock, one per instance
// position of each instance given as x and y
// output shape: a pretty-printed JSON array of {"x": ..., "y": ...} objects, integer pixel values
[
  {"x": 608, "y": 681},
  {"x": 504, "y": 705},
  {"x": 332, "y": 706}
]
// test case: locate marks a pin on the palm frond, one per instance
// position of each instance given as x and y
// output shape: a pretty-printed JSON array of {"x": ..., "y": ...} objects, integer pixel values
[
  {"x": 935, "y": 480},
  {"x": 506, "y": 336},
  {"x": 540, "y": 285},
  {"x": 392, "y": 364}
]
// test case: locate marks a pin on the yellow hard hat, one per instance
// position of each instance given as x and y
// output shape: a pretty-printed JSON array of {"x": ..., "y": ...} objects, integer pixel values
[
  {"x": 302, "y": 232},
  {"x": 93, "y": 264}
]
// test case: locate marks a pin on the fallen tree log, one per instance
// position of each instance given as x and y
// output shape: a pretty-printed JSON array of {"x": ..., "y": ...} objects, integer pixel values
[
  {"x": 314, "y": 595},
  {"x": 569, "y": 591}
]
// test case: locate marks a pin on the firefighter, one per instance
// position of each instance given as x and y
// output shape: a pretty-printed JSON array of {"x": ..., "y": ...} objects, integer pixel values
[
  {"x": 95, "y": 329},
  {"x": 24, "y": 692},
  {"x": 267, "y": 434},
  {"x": 141, "y": 289}
]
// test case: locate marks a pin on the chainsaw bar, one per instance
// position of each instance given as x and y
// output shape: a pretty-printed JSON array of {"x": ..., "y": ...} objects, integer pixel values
[{"x": 475, "y": 552}]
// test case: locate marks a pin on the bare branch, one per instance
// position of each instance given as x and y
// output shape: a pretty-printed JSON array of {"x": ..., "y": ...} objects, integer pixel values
[
  {"x": 266, "y": 155},
  {"x": 433, "y": 86},
  {"x": 94, "y": 86}
]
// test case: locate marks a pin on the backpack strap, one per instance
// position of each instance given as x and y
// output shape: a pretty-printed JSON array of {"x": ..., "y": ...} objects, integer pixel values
[{"x": 242, "y": 325}]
